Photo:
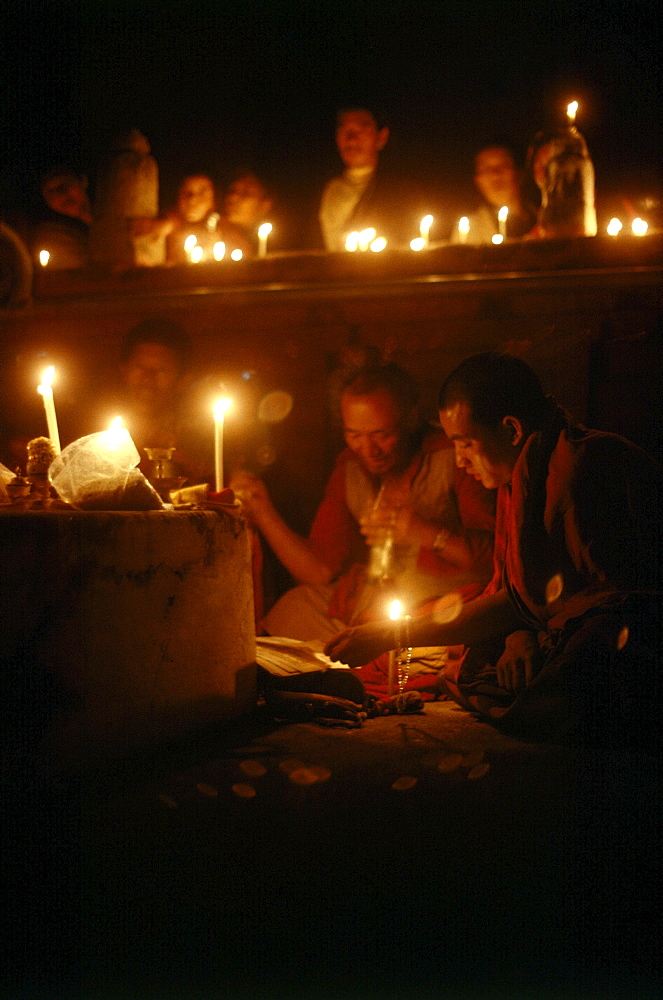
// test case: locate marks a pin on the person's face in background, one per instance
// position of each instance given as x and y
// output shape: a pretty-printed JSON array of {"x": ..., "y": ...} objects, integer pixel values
[
  {"x": 359, "y": 140},
  {"x": 246, "y": 202},
  {"x": 195, "y": 199},
  {"x": 152, "y": 376},
  {"x": 67, "y": 195},
  {"x": 497, "y": 177}
]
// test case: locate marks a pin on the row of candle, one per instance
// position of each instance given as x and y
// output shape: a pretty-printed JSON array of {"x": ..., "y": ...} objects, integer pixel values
[{"x": 221, "y": 407}]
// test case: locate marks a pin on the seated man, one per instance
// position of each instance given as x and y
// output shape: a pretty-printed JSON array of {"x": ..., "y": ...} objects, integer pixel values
[
  {"x": 567, "y": 637},
  {"x": 64, "y": 230},
  {"x": 397, "y": 519},
  {"x": 363, "y": 195},
  {"x": 499, "y": 182}
]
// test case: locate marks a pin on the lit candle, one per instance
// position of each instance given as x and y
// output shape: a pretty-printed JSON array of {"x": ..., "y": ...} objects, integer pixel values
[
  {"x": 116, "y": 435},
  {"x": 463, "y": 229},
  {"x": 502, "y": 216},
  {"x": 46, "y": 391},
  {"x": 395, "y": 609},
  {"x": 263, "y": 233},
  {"x": 497, "y": 239},
  {"x": 219, "y": 251},
  {"x": 220, "y": 408},
  {"x": 639, "y": 227},
  {"x": 197, "y": 254},
  {"x": 614, "y": 227},
  {"x": 425, "y": 226},
  {"x": 352, "y": 242},
  {"x": 190, "y": 243},
  {"x": 378, "y": 244},
  {"x": 572, "y": 111},
  {"x": 417, "y": 244},
  {"x": 366, "y": 237},
  {"x": 236, "y": 255},
  {"x": 44, "y": 257}
]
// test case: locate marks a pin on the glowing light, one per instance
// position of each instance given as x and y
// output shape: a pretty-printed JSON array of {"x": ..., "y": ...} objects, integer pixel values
[
  {"x": 378, "y": 244},
  {"x": 425, "y": 227},
  {"x": 45, "y": 390},
  {"x": 418, "y": 244},
  {"x": 219, "y": 251},
  {"x": 190, "y": 243},
  {"x": 497, "y": 239},
  {"x": 44, "y": 257},
  {"x": 352, "y": 242},
  {"x": 463, "y": 229},
  {"x": 395, "y": 610},
  {"x": 263, "y": 233},
  {"x": 197, "y": 254},
  {"x": 639, "y": 227},
  {"x": 572, "y": 111},
  {"x": 366, "y": 236},
  {"x": 116, "y": 435},
  {"x": 221, "y": 407},
  {"x": 502, "y": 216},
  {"x": 554, "y": 588},
  {"x": 622, "y": 638},
  {"x": 614, "y": 227},
  {"x": 236, "y": 255}
]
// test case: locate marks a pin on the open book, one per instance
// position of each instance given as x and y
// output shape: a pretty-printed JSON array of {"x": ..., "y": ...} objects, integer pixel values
[{"x": 292, "y": 656}]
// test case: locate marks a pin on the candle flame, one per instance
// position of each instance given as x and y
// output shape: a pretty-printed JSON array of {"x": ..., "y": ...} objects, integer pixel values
[
  {"x": 425, "y": 226},
  {"x": 378, "y": 244},
  {"x": 46, "y": 379},
  {"x": 497, "y": 238},
  {"x": 190, "y": 243},
  {"x": 614, "y": 227},
  {"x": 418, "y": 244},
  {"x": 221, "y": 407},
  {"x": 572, "y": 111},
  {"x": 197, "y": 254},
  {"x": 219, "y": 251},
  {"x": 639, "y": 227},
  {"x": 265, "y": 230},
  {"x": 395, "y": 609},
  {"x": 116, "y": 434},
  {"x": 464, "y": 225},
  {"x": 366, "y": 237},
  {"x": 352, "y": 242},
  {"x": 503, "y": 213},
  {"x": 236, "y": 255},
  {"x": 44, "y": 257}
]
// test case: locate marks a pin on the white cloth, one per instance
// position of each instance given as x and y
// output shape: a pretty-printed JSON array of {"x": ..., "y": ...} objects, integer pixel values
[{"x": 339, "y": 200}]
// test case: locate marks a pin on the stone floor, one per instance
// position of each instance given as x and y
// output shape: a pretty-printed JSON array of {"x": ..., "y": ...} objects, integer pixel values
[{"x": 418, "y": 856}]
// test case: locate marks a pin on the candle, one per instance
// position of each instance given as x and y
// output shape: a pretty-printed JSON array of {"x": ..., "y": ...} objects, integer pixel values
[
  {"x": 639, "y": 227},
  {"x": 424, "y": 227},
  {"x": 44, "y": 257},
  {"x": 417, "y": 244},
  {"x": 497, "y": 239},
  {"x": 463, "y": 229},
  {"x": 236, "y": 255},
  {"x": 219, "y": 251},
  {"x": 502, "y": 216},
  {"x": 352, "y": 242},
  {"x": 378, "y": 244},
  {"x": 395, "y": 609},
  {"x": 366, "y": 237},
  {"x": 572, "y": 111},
  {"x": 116, "y": 435},
  {"x": 190, "y": 243},
  {"x": 614, "y": 227},
  {"x": 263, "y": 233},
  {"x": 46, "y": 391},
  {"x": 220, "y": 408},
  {"x": 196, "y": 254}
]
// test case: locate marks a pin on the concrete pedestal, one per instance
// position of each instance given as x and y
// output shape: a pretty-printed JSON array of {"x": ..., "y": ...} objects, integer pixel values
[{"x": 121, "y": 628}]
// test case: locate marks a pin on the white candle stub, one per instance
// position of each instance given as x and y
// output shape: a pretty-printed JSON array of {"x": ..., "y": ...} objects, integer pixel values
[{"x": 46, "y": 391}]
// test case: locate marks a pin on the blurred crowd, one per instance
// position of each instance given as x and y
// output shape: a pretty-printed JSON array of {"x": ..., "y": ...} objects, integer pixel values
[{"x": 120, "y": 222}]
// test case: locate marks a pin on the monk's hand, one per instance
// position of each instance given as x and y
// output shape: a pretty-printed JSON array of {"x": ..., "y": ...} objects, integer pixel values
[
  {"x": 520, "y": 661},
  {"x": 361, "y": 643},
  {"x": 394, "y": 521},
  {"x": 253, "y": 494}
]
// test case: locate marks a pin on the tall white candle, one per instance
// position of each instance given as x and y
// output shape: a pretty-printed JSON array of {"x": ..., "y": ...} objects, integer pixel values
[
  {"x": 572, "y": 111},
  {"x": 46, "y": 391},
  {"x": 463, "y": 229},
  {"x": 263, "y": 233},
  {"x": 220, "y": 408},
  {"x": 425, "y": 227},
  {"x": 502, "y": 216}
]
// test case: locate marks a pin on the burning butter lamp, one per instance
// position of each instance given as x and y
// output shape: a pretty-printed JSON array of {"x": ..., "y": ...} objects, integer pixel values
[
  {"x": 395, "y": 611},
  {"x": 614, "y": 227},
  {"x": 221, "y": 407},
  {"x": 425, "y": 228},
  {"x": 502, "y": 216},
  {"x": 463, "y": 229},
  {"x": 44, "y": 257},
  {"x": 46, "y": 391},
  {"x": 639, "y": 227}
]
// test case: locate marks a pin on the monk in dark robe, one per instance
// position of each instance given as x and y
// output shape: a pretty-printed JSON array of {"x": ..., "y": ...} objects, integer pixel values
[{"x": 566, "y": 640}]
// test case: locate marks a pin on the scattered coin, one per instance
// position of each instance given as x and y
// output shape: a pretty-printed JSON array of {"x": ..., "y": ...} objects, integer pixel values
[
  {"x": 450, "y": 762},
  {"x": 478, "y": 771},
  {"x": 321, "y": 773},
  {"x": 243, "y": 791},
  {"x": 209, "y": 790},
  {"x": 290, "y": 764},
  {"x": 404, "y": 783},
  {"x": 303, "y": 776},
  {"x": 252, "y": 768}
]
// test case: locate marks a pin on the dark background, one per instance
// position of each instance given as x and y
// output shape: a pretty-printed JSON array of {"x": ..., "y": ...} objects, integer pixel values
[{"x": 219, "y": 85}]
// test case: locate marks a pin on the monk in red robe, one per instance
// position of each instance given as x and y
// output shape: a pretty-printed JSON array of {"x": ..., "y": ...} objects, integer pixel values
[{"x": 566, "y": 638}]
